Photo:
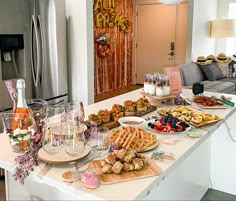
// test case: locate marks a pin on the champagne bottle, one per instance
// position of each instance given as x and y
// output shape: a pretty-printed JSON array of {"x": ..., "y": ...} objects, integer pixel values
[
  {"x": 22, "y": 116},
  {"x": 12, "y": 91}
]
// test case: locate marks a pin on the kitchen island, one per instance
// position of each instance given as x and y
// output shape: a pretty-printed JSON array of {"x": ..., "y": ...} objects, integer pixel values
[{"x": 185, "y": 178}]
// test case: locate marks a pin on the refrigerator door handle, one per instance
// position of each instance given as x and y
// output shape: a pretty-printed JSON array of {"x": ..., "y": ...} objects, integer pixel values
[
  {"x": 33, "y": 30},
  {"x": 36, "y": 78},
  {"x": 41, "y": 58}
]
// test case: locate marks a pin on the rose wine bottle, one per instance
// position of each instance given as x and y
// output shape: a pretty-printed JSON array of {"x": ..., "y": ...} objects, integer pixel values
[{"x": 22, "y": 117}]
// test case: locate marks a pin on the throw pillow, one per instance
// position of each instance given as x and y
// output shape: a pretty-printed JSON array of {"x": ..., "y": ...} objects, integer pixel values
[
  {"x": 211, "y": 71},
  {"x": 232, "y": 69},
  {"x": 223, "y": 68}
]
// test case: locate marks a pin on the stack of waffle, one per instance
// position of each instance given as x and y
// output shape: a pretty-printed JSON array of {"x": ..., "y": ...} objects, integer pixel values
[{"x": 132, "y": 138}]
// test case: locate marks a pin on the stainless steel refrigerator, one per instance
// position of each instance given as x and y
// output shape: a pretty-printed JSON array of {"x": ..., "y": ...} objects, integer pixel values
[{"x": 33, "y": 47}]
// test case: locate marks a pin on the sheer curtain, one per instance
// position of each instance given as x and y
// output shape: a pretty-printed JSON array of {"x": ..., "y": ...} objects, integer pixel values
[{"x": 231, "y": 42}]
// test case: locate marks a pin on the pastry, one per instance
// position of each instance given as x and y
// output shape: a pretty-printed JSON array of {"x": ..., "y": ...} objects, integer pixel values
[
  {"x": 129, "y": 156},
  {"x": 117, "y": 167},
  {"x": 120, "y": 154},
  {"x": 138, "y": 164},
  {"x": 107, "y": 169},
  {"x": 103, "y": 163},
  {"x": 128, "y": 167},
  {"x": 110, "y": 158}
]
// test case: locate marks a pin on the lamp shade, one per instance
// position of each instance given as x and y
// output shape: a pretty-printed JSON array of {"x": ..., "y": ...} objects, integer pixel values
[
  {"x": 170, "y": 2},
  {"x": 223, "y": 28}
]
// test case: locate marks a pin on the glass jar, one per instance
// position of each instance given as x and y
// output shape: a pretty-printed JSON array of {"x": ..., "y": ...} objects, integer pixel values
[
  {"x": 159, "y": 91},
  {"x": 166, "y": 90},
  {"x": 19, "y": 137},
  {"x": 152, "y": 88},
  {"x": 146, "y": 87}
]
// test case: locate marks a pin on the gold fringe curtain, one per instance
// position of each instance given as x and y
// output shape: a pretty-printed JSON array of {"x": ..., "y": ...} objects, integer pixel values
[{"x": 114, "y": 71}]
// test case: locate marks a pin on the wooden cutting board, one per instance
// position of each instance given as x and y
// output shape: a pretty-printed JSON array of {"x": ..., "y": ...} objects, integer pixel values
[
  {"x": 211, "y": 107},
  {"x": 152, "y": 169},
  {"x": 114, "y": 124}
]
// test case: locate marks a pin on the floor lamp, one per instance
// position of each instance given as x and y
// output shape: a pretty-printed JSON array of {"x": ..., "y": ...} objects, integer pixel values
[{"x": 222, "y": 28}]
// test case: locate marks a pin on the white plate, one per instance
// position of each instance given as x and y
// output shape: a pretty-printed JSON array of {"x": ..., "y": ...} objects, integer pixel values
[
  {"x": 127, "y": 121},
  {"x": 165, "y": 133}
]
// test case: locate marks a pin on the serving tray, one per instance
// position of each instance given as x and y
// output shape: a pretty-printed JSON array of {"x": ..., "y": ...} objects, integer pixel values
[
  {"x": 163, "y": 111},
  {"x": 164, "y": 133},
  {"x": 114, "y": 124},
  {"x": 62, "y": 157},
  {"x": 152, "y": 169}
]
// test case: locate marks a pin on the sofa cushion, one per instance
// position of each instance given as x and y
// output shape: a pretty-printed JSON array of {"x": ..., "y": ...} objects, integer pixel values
[
  {"x": 190, "y": 73},
  {"x": 223, "y": 68},
  {"x": 219, "y": 86},
  {"x": 211, "y": 71}
]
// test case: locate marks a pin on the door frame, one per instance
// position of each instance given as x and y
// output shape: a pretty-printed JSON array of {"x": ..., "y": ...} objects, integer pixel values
[{"x": 136, "y": 3}]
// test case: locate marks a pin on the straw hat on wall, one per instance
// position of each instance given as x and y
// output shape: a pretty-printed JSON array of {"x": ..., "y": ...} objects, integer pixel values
[
  {"x": 211, "y": 57},
  {"x": 222, "y": 58},
  {"x": 234, "y": 57},
  {"x": 203, "y": 61}
]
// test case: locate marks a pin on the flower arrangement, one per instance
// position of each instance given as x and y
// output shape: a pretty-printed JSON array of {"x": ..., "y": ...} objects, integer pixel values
[{"x": 25, "y": 163}]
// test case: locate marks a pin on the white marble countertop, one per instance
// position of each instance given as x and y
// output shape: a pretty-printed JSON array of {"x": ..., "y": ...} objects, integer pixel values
[{"x": 129, "y": 190}]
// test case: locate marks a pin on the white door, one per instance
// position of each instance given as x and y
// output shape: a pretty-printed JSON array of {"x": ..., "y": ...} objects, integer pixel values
[{"x": 156, "y": 26}]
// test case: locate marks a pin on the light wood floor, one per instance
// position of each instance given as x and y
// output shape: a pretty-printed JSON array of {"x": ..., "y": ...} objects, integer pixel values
[{"x": 117, "y": 92}]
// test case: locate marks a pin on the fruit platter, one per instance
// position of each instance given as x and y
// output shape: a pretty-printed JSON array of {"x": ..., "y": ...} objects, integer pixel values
[
  {"x": 194, "y": 117},
  {"x": 109, "y": 118},
  {"x": 168, "y": 124}
]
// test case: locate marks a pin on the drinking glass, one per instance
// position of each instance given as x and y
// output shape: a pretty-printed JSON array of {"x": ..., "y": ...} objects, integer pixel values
[
  {"x": 75, "y": 139},
  {"x": 39, "y": 107},
  {"x": 54, "y": 131},
  {"x": 99, "y": 141}
]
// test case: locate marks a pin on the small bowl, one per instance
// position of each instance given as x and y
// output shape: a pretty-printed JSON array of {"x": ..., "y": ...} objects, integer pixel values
[{"x": 131, "y": 121}]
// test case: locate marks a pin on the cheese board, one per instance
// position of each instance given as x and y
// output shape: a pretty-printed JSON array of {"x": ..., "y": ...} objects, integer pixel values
[
  {"x": 194, "y": 117},
  {"x": 151, "y": 169}
]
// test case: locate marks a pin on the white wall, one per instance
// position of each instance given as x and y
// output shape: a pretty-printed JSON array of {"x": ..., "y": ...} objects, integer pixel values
[
  {"x": 80, "y": 42},
  {"x": 80, "y": 50},
  {"x": 203, "y": 12}
]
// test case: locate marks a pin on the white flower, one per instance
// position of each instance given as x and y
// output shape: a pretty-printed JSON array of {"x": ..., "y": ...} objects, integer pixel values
[{"x": 20, "y": 132}]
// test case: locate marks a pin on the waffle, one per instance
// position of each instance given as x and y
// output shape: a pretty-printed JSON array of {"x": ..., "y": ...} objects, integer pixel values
[{"x": 132, "y": 138}]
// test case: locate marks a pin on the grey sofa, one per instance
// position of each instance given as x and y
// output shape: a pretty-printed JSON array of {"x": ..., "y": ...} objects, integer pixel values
[{"x": 191, "y": 73}]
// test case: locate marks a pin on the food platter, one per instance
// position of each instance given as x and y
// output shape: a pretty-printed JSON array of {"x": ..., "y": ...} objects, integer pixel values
[
  {"x": 62, "y": 157},
  {"x": 113, "y": 124},
  {"x": 211, "y": 107},
  {"x": 194, "y": 117},
  {"x": 206, "y": 102},
  {"x": 149, "y": 148},
  {"x": 152, "y": 169},
  {"x": 164, "y": 133}
]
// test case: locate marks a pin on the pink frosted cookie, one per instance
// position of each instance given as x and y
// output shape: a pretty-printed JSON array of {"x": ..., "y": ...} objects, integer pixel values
[{"x": 90, "y": 179}]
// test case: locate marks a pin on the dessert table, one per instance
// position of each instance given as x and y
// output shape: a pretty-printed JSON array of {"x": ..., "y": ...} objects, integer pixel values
[{"x": 196, "y": 167}]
